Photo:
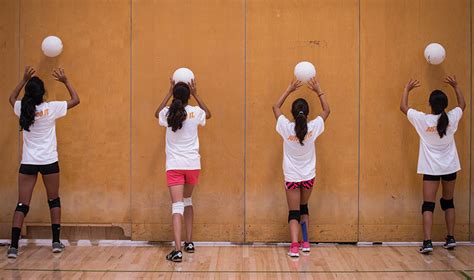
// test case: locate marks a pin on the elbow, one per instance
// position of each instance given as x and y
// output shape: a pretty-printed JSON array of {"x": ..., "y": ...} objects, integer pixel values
[{"x": 208, "y": 115}]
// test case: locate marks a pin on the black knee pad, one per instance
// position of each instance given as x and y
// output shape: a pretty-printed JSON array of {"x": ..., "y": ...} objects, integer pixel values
[
  {"x": 53, "y": 203},
  {"x": 20, "y": 207},
  {"x": 446, "y": 204},
  {"x": 427, "y": 206},
  {"x": 304, "y": 209},
  {"x": 294, "y": 215}
]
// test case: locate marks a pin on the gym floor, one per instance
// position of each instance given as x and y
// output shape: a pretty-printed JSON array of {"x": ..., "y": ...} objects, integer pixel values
[{"x": 131, "y": 260}]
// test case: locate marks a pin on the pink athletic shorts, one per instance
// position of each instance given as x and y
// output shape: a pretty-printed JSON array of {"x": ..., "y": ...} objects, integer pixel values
[
  {"x": 300, "y": 185},
  {"x": 181, "y": 177}
]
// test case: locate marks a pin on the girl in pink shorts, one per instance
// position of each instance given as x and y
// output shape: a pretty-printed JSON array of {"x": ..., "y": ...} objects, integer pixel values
[
  {"x": 299, "y": 158},
  {"x": 183, "y": 161}
]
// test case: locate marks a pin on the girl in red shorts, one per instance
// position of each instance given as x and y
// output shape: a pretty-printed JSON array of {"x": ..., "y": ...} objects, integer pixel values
[
  {"x": 182, "y": 156},
  {"x": 299, "y": 157}
]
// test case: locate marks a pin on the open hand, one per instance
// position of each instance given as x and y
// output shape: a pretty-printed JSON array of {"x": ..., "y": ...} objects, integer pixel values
[
  {"x": 314, "y": 85},
  {"x": 411, "y": 85},
  {"x": 29, "y": 72},
  {"x": 59, "y": 75},
  {"x": 192, "y": 87},
  {"x": 294, "y": 85},
  {"x": 451, "y": 81}
]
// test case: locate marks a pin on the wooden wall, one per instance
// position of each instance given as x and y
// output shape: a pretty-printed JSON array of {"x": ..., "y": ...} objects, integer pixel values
[{"x": 119, "y": 55}]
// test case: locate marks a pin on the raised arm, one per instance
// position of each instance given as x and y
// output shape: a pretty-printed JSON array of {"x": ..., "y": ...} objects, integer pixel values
[
  {"x": 313, "y": 84},
  {"x": 202, "y": 105},
  {"x": 60, "y": 76},
  {"x": 459, "y": 96},
  {"x": 295, "y": 84},
  {"x": 165, "y": 100},
  {"x": 408, "y": 87},
  {"x": 29, "y": 72}
]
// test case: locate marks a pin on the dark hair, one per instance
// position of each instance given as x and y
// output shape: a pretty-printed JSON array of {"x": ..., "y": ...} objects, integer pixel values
[
  {"x": 177, "y": 113},
  {"x": 34, "y": 92},
  {"x": 300, "y": 111},
  {"x": 439, "y": 102}
]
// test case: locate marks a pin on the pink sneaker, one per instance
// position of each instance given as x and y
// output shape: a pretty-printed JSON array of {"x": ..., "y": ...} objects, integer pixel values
[
  {"x": 305, "y": 247},
  {"x": 294, "y": 250}
]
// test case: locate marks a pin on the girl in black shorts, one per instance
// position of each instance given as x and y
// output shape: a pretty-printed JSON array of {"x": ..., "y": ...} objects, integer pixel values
[
  {"x": 438, "y": 158},
  {"x": 38, "y": 123}
]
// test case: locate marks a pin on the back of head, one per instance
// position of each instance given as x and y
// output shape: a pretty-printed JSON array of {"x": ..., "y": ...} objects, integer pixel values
[
  {"x": 300, "y": 112},
  {"x": 439, "y": 102},
  {"x": 34, "y": 95},
  {"x": 177, "y": 113}
]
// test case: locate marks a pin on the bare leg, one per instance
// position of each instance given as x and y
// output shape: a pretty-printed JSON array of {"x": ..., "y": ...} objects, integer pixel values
[
  {"x": 293, "y": 199},
  {"x": 51, "y": 182},
  {"x": 305, "y": 195},
  {"x": 188, "y": 213},
  {"x": 429, "y": 194},
  {"x": 26, "y": 184},
  {"x": 176, "y": 193},
  {"x": 449, "y": 214}
]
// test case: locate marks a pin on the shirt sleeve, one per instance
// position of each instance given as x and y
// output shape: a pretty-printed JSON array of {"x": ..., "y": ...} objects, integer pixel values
[
  {"x": 282, "y": 126},
  {"x": 58, "y": 109},
  {"x": 162, "y": 117},
  {"x": 318, "y": 126},
  {"x": 415, "y": 117},
  {"x": 201, "y": 116},
  {"x": 455, "y": 115},
  {"x": 17, "y": 108}
]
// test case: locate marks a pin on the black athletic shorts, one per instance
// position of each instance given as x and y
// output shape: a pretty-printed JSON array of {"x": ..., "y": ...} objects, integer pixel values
[
  {"x": 447, "y": 177},
  {"x": 33, "y": 169}
]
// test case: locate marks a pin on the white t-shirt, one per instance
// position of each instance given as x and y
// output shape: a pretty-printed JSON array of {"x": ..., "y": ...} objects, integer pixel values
[
  {"x": 39, "y": 144},
  {"x": 182, "y": 146},
  {"x": 437, "y": 156},
  {"x": 299, "y": 162}
]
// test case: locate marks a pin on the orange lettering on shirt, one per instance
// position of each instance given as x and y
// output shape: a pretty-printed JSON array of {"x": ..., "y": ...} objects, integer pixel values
[
  {"x": 293, "y": 138},
  {"x": 191, "y": 115},
  {"x": 43, "y": 113}
]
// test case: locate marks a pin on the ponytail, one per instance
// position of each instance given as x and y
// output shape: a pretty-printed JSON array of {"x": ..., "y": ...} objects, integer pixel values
[
  {"x": 443, "y": 122},
  {"x": 177, "y": 113},
  {"x": 301, "y": 127},
  {"x": 439, "y": 102},
  {"x": 300, "y": 111},
  {"x": 34, "y": 92}
]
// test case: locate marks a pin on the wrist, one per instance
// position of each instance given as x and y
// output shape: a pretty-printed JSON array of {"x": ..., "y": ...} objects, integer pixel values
[{"x": 320, "y": 93}]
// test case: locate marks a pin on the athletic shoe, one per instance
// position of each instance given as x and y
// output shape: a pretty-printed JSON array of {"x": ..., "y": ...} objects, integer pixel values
[
  {"x": 12, "y": 253},
  {"x": 450, "y": 242},
  {"x": 294, "y": 251},
  {"x": 58, "y": 247},
  {"x": 175, "y": 256},
  {"x": 305, "y": 246},
  {"x": 427, "y": 247},
  {"x": 189, "y": 247}
]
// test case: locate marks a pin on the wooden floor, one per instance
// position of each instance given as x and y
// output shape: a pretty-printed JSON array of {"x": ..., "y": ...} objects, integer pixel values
[{"x": 238, "y": 262}]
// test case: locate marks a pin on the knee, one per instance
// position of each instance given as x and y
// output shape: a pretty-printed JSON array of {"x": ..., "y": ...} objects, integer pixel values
[
  {"x": 54, "y": 203},
  {"x": 294, "y": 215},
  {"x": 23, "y": 208},
  {"x": 428, "y": 206},
  {"x": 446, "y": 203},
  {"x": 304, "y": 209},
  {"x": 177, "y": 208}
]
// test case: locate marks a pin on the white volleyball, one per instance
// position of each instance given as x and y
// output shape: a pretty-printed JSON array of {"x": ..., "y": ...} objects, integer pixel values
[
  {"x": 435, "y": 53},
  {"x": 183, "y": 75},
  {"x": 52, "y": 46},
  {"x": 304, "y": 71}
]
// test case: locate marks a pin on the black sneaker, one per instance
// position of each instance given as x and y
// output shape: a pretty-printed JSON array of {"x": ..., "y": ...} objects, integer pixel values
[
  {"x": 450, "y": 242},
  {"x": 189, "y": 247},
  {"x": 427, "y": 247},
  {"x": 175, "y": 256},
  {"x": 12, "y": 253}
]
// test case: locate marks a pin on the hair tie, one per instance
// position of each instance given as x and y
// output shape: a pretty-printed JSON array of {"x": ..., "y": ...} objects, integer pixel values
[{"x": 300, "y": 113}]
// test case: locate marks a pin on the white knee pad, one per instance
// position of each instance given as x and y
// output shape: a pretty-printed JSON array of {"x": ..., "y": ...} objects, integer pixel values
[
  {"x": 188, "y": 201},
  {"x": 177, "y": 208}
]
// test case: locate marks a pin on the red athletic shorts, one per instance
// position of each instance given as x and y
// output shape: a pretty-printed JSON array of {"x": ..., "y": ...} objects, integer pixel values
[
  {"x": 299, "y": 185},
  {"x": 181, "y": 177}
]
